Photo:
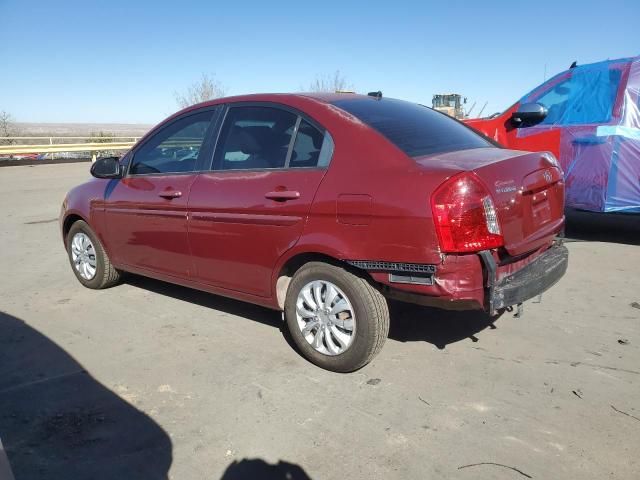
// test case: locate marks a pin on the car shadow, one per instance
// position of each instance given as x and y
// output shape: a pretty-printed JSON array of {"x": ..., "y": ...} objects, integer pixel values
[
  {"x": 249, "y": 468},
  {"x": 58, "y": 422},
  {"x": 208, "y": 300},
  {"x": 409, "y": 323},
  {"x": 602, "y": 227},
  {"x": 414, "y": 323}
]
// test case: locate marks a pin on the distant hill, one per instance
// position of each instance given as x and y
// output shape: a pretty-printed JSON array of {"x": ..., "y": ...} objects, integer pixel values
[{"x": 80, "y": 129}]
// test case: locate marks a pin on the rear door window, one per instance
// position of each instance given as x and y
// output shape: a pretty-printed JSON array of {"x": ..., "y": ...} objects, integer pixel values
[
  {"x": 307, "y": 147},
  {"x": 254, "y": 138},
  {"x": 265, "y": 137},
  {"x": 415, "y": 129}
]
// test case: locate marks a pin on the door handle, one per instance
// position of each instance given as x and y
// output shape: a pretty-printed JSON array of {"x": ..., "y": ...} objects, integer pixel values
[
  {"x": 170, "y": 194},
  {"x": 283, "y": 195}
]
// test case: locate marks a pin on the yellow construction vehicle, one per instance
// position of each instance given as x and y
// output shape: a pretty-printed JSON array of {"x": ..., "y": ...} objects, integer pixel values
[{"x": 450, "y": 103}]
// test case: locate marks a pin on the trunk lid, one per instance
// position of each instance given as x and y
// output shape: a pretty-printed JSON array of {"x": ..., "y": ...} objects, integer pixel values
[{"x": 527, "y": 189}]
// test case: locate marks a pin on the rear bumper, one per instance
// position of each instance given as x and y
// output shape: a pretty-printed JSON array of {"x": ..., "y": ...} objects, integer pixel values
[
  {"x": 530, "y": 281},
  {"x": 472, "y": 281}
]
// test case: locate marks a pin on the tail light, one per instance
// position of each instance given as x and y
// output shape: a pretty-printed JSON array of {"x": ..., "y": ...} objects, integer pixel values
[{"x": 465, "y": 215}]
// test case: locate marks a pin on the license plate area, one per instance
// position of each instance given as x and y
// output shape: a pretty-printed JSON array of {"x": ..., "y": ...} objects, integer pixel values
[{"x": 540, "y": 208}]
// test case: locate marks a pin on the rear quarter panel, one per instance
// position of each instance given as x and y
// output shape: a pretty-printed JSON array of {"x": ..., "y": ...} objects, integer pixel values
[{"x": 374, "y": 201}]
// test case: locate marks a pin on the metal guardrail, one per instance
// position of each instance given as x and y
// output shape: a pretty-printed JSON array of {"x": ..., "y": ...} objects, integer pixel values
[
  {"x": 22, "y": 145},
  {"x": 19, "y": 145},
  {"x": 94, "y": 148},
  {"x": 51, "y": 139},
  {"x": 64, "y": 147}
]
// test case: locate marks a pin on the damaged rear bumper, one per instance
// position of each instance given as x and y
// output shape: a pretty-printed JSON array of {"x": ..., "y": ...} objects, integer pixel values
[{"x": 528, "y": 282}]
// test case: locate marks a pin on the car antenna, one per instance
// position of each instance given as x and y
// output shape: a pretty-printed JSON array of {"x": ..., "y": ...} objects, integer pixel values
[
  {"x": 377, "y": 94},
  {"x": 574, "y": 64}
]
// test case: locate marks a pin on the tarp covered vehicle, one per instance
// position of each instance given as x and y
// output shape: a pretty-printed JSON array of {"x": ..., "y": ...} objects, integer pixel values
[{"x": 589, "y": 118}]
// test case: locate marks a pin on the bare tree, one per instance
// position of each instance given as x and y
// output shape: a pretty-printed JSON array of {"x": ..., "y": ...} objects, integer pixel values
[
  {"x": 101, "y": 137},
  {"x": 330, "y": 83},
  {"x": 207, "y": 88},
  {"x": 7, "y": 128}
]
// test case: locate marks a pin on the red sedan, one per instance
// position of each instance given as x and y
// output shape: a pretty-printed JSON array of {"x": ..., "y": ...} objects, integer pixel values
[{"x": 323, "y": 206}]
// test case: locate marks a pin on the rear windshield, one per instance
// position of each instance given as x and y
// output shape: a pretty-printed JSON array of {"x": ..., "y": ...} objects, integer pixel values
[{"x": 415, "y": 129}]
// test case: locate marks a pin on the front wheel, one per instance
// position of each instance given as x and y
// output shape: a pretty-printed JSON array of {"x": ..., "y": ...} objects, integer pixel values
[
  {"x": 88, "y": 258},
  {"x": 338, "y": 320}
]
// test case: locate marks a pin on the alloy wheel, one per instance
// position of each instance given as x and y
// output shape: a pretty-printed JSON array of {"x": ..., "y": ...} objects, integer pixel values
[
  {"x": 83, "y": 254},
  {"x": 325, "y": 317}
]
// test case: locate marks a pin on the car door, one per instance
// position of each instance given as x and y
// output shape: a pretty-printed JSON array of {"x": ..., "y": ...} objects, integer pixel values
[
  {"x": 146, "y": 211},
  {"x": 251, "y": 207}
]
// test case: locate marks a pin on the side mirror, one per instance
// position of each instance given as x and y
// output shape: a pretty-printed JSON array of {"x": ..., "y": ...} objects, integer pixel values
[
  {"x": 528, "y": 114},
  {"x": 107, "y": 167}
]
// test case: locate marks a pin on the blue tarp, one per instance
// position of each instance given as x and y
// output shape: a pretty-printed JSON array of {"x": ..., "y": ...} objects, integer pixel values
[{"x": 596, "y": 107}]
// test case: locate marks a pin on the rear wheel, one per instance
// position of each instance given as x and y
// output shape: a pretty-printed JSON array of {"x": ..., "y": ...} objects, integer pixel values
[
  {"x": 88, "y": 259},
  {"x": 338, "y": 320}
]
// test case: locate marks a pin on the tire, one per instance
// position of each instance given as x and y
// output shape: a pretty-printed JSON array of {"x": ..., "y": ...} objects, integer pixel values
[
  {"x": 105, "y": 274},
  {"x": 368, "y": 308}
]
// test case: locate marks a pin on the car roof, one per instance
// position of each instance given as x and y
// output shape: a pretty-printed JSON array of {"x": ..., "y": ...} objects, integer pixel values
[
  {"x": 330, "y": 97},
  {"x": 323, "y": 97},
  {"x": 284, "y": 98}
]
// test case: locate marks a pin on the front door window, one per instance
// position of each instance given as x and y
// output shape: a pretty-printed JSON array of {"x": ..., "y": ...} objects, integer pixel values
[{"x": 175, "y": 149}]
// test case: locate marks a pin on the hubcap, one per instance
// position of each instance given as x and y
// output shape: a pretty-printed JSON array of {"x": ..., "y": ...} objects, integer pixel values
[
  {"x": 83, "y": 255},
  {"x": 325, "y": 317}
]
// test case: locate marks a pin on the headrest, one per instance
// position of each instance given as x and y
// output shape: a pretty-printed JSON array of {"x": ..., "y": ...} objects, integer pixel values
[
  {"x": 316, "y": 139},
  {"x": 241, "y": 140},
  {"x": 268, "y": 137}
]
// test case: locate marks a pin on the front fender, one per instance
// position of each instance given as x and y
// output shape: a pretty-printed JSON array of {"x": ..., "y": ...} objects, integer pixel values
[{"x": 85, "y": 202}]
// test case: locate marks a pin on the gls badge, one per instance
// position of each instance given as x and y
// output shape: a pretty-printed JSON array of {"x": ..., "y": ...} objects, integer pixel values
[{"x": 505, "y": 186}]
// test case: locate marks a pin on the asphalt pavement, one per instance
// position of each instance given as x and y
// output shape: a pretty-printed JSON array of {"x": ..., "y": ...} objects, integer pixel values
[{"x": 149, "y": 381}]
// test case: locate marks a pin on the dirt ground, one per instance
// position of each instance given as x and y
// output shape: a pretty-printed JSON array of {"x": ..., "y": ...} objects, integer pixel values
[{"x": 149, "y": 380}]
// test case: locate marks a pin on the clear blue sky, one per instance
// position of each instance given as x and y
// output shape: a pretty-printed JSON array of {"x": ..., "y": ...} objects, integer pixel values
[{"x": 122, "y": 60}]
